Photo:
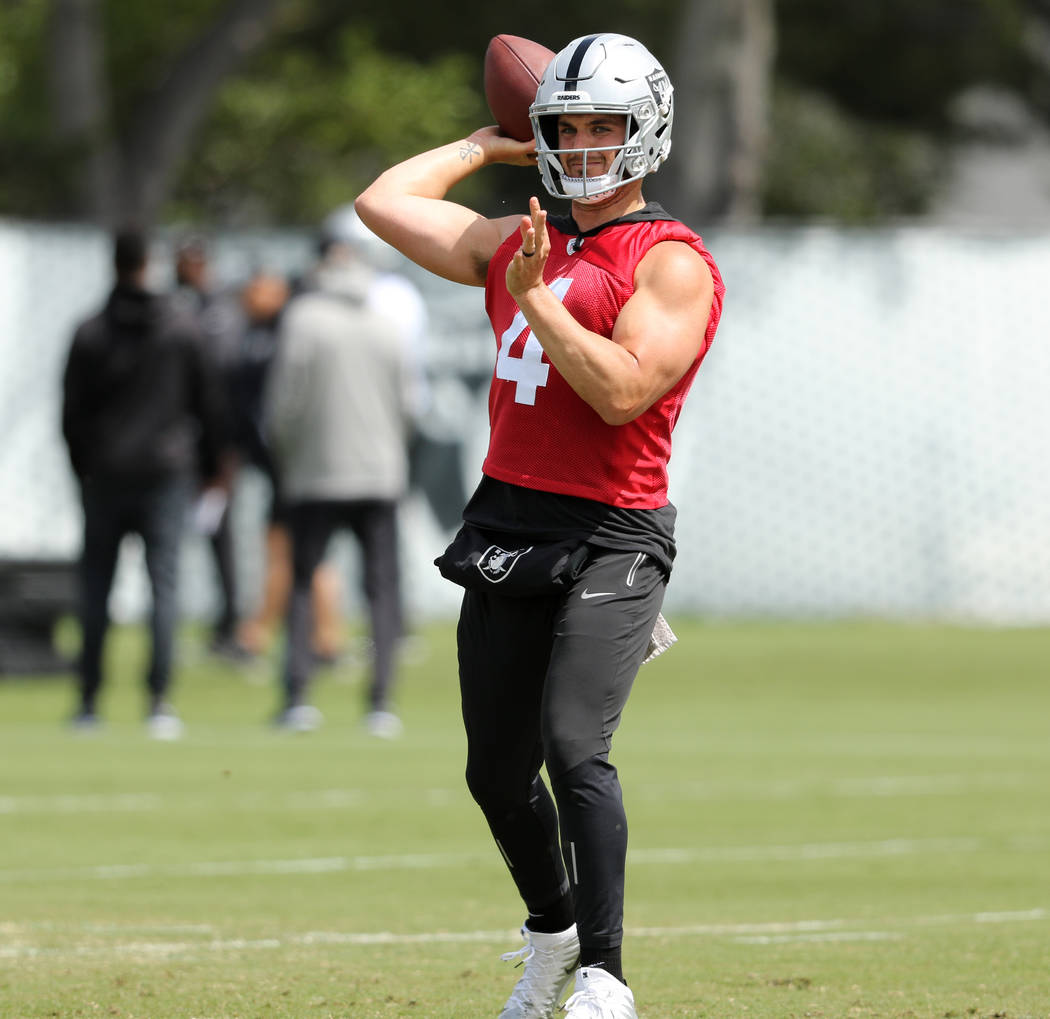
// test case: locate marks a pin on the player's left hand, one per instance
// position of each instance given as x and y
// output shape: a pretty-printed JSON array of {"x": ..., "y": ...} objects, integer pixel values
[{"x": 526, "y": 267}]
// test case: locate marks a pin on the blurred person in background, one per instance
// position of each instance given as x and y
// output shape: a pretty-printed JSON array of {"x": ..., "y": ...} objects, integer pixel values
[
  {"x": 341, "y": 404},
  {"x": 216, "y": 314},
  {"x": 143, "y": 419},
  {"x": 262, "y": 301}
]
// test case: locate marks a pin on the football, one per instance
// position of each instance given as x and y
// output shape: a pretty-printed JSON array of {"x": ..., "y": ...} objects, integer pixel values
[{"x": 513, "y": 69}]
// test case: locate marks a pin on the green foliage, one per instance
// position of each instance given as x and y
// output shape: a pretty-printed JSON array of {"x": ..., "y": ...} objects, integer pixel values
[
  {"x": 141, "y": 43},
  {"x": 861, "y": 113},
  {"x": 899, "y": 61},
  {"x": 22, "y": 91},
  {"x": 823, "y": 163},
  {"x": 338, "y": 93},
  {"x": 303, "y": 131},
  {"x": 25, "y": 109},
  {"x": 826, "y": 820}
]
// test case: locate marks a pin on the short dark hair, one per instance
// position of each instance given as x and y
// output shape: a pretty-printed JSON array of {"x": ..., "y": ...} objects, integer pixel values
[{"x": 129, "y": 251}]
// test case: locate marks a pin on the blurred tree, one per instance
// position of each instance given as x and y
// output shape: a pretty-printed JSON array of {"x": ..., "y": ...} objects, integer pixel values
[
  {"x": 30, "y": 167},
  {"x": 722, "y": 69},
  {"x": 126, "y": 143},
  {"x": 347, "y": 94},
  {"x": 898, "y": 60},
  {"x": 824, "y": 163},
  {"x": 273, "y": 111},
  {"x": 862, "y": 116},
  {"x": 306, "y": 127}
]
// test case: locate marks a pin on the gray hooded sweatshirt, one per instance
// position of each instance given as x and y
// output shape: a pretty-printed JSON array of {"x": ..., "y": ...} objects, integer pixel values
[{"x": 339, "y": 394}]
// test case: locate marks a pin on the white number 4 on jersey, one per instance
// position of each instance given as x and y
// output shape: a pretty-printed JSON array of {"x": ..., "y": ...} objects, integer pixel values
[{"x": 528, "y": 370}]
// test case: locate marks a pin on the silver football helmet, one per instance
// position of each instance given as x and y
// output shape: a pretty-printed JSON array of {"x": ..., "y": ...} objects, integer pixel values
[{"x": 605, "y": 73}]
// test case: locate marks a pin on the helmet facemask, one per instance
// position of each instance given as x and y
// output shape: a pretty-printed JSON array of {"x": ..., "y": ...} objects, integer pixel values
[{"x": 587, "y": 187}]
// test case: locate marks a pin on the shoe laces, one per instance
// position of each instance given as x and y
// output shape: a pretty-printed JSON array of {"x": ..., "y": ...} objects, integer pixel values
[
  {"x": 526, "y": 952},
  {"x": 541, "y": 981}
]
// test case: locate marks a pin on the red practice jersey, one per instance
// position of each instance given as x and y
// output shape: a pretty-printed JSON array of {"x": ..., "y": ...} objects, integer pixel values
[{"x": 542, "y": 435}]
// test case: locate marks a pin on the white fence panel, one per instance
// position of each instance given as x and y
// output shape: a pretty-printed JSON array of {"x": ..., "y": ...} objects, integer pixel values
[{"x": 868, "y": 435}]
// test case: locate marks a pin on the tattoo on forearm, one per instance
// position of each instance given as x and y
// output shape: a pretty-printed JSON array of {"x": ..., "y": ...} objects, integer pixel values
[{"x": 468, "y": 150}]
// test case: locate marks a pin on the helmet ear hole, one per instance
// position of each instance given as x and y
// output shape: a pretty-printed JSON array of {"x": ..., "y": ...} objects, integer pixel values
[{"x": 660, "y": 146}]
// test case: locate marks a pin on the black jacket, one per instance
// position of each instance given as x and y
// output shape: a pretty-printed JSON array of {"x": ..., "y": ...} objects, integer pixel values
[{"x": 142, "y": 397}]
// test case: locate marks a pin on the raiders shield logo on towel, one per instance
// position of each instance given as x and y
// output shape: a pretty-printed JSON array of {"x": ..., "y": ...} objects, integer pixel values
[
  {"x": 496, "y": 563},
  {"x": 480, "y": 560}
]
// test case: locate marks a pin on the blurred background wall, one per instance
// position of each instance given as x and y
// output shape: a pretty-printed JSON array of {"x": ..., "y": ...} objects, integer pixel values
[{"x": 868, "y": 436}]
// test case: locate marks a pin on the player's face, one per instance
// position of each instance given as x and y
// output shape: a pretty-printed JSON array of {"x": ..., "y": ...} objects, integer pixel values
[{"x": 600, "y": 133}]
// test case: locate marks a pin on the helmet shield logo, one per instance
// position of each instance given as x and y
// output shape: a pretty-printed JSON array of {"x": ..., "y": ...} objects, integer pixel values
[{"x": 660, "y": 86}]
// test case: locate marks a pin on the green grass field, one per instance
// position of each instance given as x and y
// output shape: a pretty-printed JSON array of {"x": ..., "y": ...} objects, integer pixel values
[{"x": 833, "y": 820}]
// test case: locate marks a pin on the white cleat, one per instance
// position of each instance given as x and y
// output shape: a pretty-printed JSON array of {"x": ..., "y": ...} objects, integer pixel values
[
  {"x": 164, "y": 725},
  {"x": 599, "y": 995},
  {"x": 550, "y": 960},
  {"x": 383, "y": 725},
  {"x": 301, "y": 718}
]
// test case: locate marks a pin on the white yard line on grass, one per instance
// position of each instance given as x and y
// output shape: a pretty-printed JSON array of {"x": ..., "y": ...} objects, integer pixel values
[
  {"x": 870, "y": 786},
  {"x": 90, "y": 803},
  {"x": 879, "y": 786},
  {"x": 435, "y": 861},
  {"x": 813, "y": 931},
  {"x": 806, "y": 851},
  {"x": 74, "y": 803},
  {"x": 783, "y": 939}
]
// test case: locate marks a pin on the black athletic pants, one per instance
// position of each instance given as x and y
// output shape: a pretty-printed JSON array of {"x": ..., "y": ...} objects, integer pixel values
[
  {"x": 544, "y": 681},
  {"x": 222, "y": 547},
  {"x": 373, "y": 523},
  {"x": 157, "y": 512}
]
